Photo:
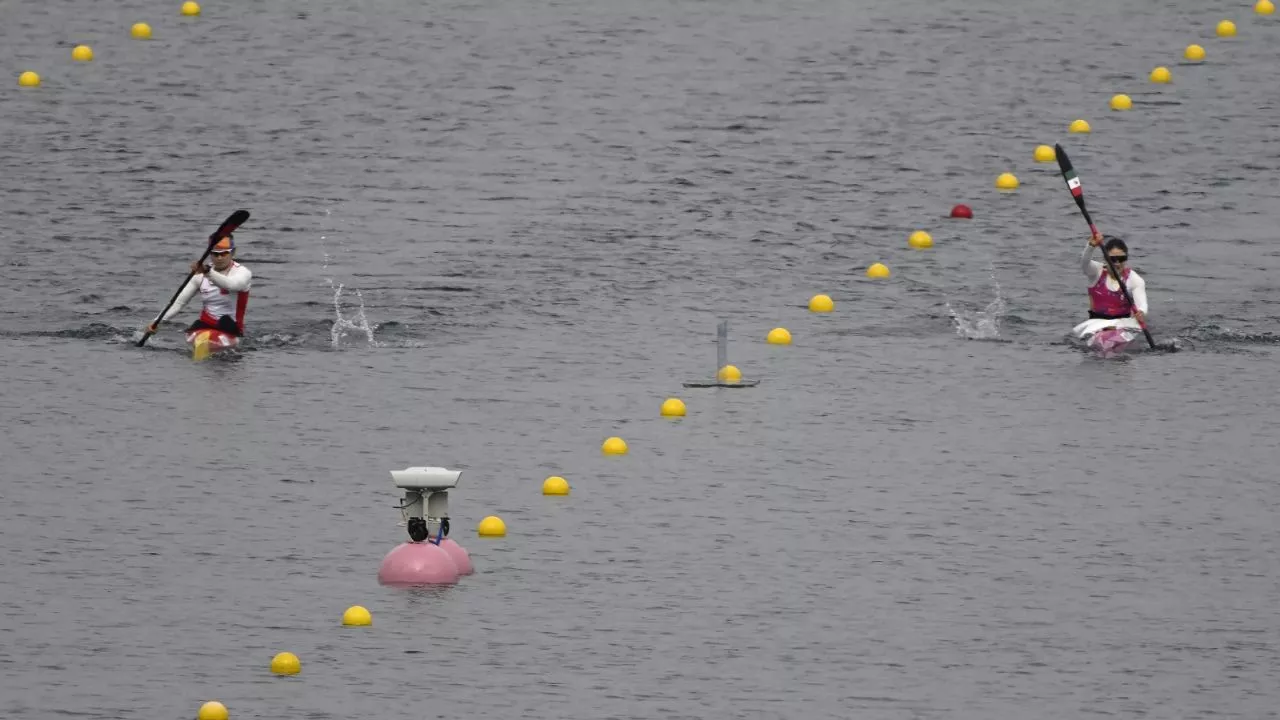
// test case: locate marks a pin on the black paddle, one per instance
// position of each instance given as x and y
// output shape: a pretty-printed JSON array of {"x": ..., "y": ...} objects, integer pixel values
[
  {"x": 229, "y": 226},
  {"x": 1077, "y": 192}
]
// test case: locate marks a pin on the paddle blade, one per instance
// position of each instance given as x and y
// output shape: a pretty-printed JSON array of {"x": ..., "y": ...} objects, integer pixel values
[
  {"x": 1069, "y": 173},
  {"x": 1073, "y": 183},
  {"x": 229, "y": 226}
]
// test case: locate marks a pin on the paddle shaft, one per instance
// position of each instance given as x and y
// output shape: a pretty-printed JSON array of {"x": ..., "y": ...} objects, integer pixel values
[
  {"x": 160, "y": 318},
  {"x": 1077, "y": 192},
  {"x": 229, "y": 226}
]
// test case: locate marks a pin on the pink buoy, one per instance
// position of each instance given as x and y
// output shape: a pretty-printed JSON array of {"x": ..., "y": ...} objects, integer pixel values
[
  {"x": 418, "y": 563},
  {"x": 460, "y": 556}
]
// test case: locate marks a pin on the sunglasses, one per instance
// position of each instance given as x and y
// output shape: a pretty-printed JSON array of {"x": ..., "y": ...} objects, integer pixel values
[
  {"x": 220, "y": 253},
  {"x": 1119, "y": 258}
]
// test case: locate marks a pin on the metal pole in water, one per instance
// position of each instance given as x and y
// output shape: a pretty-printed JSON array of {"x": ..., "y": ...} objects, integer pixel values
[{"x": 722, "y": 347}]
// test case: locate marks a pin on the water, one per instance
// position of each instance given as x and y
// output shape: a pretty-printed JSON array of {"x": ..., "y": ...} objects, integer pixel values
[{"x": 490, "y": 236}]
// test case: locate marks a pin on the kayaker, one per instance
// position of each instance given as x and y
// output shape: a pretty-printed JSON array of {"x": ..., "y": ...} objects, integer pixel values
[
  {"x": 224, "y": 288},
  {"x": 1106, "y": 301}
]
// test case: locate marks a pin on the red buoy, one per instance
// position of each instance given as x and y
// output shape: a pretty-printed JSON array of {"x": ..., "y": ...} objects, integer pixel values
[{"x": 962, "y": 211}]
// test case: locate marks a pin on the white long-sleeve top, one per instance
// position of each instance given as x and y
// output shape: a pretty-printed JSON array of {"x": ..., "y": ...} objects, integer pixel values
[
  {"x": 1094, "y": 269},
  {"x": 223, "y": 293}
]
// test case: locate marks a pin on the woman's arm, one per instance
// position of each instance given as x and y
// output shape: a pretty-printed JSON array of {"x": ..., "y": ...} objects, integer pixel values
[
  {"x": 188, "y": 292},
  {"x": 1092, "y": 269},
  {"x": 1138, "y": 291}
]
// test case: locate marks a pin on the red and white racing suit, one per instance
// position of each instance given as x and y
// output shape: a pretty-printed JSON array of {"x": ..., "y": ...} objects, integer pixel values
[{"x": 225, "y": 295}]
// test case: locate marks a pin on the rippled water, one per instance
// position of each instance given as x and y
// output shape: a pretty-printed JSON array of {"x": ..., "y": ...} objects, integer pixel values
[{"x": 489, "y": 236}]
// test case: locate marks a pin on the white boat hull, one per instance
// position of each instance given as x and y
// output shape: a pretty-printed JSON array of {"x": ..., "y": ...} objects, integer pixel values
[{"x": 1107, "y": 336}]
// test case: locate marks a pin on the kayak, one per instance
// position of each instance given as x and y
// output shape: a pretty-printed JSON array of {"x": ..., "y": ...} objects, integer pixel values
[
  {"x": 205, "y": 342},
  {"x": 1107, "y": 337}
]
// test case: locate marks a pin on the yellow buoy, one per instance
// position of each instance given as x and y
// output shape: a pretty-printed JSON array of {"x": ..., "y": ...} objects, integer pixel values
[
  {"x": 357, "y": 616},
  {"x": 1121, "y": 102},
  {"x": 673, "y": 407},
  {"x": 779, "y": 336},
  {"x": 190, "y": 8},
  {"x": 140, "y": 31},
  {"x": 1045, "y": 154},
  {"x": 1264, "y": 7},
  {"x": 1007, "y": 181},
  {"x": 1079, "y": 126},
  {"x": 821, "y": 304},
  {"x": 878, "y": 270},
  {"x": 212, "y": 710},
  {"x": 82, "y": 53},
  {"x": 1161, "y": 75},
  {"x": 1226, "y": 28},
  {"x": 555, "y": 485},
  {"x": 920, "y": 240},
  {"x": 1194, "y": 53},
  {"x": 614, "y": 446},
  {"x": 729, "y": 374},
  {"x": 492, "y": 526},
  {"x": 29, "y": 79},
  {"x": 286, "y": 663}
]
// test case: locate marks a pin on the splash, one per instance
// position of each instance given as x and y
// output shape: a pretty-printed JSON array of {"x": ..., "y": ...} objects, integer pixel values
[
  {"x": 980, "y": 324},
  {"x": 356, "y": 323}
]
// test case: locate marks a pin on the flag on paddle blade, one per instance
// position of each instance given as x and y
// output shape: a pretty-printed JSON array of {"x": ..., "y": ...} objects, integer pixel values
[{"x": 1073, "y": 182}]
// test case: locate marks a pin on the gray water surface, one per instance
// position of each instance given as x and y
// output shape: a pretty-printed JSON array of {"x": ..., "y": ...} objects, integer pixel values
[{"x": 490, "y": 236}]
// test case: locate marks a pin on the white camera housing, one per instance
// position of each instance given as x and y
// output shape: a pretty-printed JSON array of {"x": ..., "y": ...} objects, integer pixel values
[{"x": 426, "y": 479}]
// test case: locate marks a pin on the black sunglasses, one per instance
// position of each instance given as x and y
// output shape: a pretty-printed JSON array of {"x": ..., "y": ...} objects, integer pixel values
[
  {"x": 220, "y": 253},
  {"x": 1119, "y": 258}
]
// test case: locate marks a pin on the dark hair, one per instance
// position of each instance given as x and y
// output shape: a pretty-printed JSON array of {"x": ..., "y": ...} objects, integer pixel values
[{"x": 1114, "y": 242}]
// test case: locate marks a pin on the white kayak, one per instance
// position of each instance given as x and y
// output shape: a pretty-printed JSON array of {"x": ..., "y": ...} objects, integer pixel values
[{"x": 1107, "y": 336}]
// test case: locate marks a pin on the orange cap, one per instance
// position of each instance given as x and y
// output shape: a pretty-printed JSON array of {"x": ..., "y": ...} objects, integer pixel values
[{"x": 226, "y": 243}]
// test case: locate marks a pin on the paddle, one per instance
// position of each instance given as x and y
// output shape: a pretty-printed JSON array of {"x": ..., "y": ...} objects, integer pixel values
[
  {"x": 1077, "y": 192},
  {"x": 229, "y": 226}
]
